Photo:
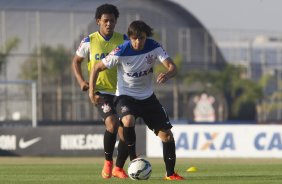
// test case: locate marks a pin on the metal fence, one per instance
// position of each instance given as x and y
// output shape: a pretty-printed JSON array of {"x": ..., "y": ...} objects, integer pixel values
[{"x": 59, "y": 99}]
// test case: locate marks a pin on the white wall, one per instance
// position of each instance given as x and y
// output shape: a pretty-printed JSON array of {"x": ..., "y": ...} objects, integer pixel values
[{"x": 211, "y": 141}]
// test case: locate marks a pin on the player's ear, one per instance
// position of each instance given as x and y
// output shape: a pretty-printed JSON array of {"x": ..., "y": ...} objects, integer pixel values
[{"x": 98, "y": 22}]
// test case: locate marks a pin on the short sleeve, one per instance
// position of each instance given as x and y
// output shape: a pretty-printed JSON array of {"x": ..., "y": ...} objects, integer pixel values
[
  {"x": 83, "y": 49},
  {"x": 161, "y": 54},
  {"x": 111, "y": 59}
]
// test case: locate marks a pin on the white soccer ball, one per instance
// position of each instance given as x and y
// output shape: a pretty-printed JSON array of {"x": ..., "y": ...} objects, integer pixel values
[{"x": 139, "y": 169}]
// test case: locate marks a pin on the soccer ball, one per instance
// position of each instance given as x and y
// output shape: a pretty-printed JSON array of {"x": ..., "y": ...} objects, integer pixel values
[{"x": 139, "y": 169}]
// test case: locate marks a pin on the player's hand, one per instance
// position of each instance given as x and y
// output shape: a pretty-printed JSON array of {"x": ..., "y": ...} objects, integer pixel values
[
  {"x": 96, "y": 99},
  {"x": 84, "y": 86},
  {"x": 162, "y": 78}
]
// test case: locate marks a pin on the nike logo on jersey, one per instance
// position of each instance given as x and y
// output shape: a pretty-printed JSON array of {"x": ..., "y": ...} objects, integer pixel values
[{"x": 25, "y": 144}]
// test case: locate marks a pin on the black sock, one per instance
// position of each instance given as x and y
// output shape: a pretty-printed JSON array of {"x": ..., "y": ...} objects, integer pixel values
[
  {"x": 169, "y": 156},
  {"x": 122, "y": 154},
  {"x": 130, "y": 140},
  {"x": 109, "y": 144}
]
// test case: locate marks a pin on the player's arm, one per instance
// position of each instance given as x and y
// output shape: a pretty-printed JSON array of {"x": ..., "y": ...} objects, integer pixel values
[
  {"x": 96, "y": 69},
  {"x": 76, "y": 68},
  {"x": 171, "y": 71}
]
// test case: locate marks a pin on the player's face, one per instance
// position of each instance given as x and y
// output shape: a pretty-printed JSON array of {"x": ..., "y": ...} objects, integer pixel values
[
  {"x": 107, "y": 24},
  {"x": 138, "y": 42}
]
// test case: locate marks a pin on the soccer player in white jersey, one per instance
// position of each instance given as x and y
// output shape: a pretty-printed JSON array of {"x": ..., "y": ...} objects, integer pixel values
[
  {"x": 135, "y": 60},
  {"x": 95, "y": 47}
]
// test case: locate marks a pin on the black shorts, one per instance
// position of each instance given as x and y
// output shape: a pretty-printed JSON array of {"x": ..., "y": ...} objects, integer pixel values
[
  {"x": 150, "y": 109},
  {"x": 107, "y": 108}
]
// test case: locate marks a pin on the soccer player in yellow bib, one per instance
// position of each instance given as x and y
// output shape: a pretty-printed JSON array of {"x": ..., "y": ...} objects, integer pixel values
[{"x": 95, "y": 47}]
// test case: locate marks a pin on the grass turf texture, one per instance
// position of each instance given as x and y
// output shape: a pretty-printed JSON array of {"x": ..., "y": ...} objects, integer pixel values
[{"x": 31, "y": 170}]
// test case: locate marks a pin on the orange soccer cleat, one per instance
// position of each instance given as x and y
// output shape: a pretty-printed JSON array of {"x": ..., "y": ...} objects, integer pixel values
[
  {"x": 175, "y": 176},
  {"x": 119, "y": 173},
  {"x": 107, "y": 169}
]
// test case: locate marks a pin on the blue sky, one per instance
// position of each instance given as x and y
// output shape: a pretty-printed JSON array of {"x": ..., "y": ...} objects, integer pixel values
[{"x": 261, "y": 15}]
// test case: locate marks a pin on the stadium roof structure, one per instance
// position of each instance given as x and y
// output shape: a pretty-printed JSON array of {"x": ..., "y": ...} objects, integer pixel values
[
  {"x": 178, "y": 30},
  {"x": 53, "y": 5},
  {"x": 65, "y": 22}
]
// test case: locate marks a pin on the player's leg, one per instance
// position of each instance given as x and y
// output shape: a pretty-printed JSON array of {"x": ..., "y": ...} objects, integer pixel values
[
  {"x": 122, "y": 149},
  {"x": 169, "y": 154},
  {"x": 125, "y": 110},
  {"x": 122, "y": 155},
  {"x": 156, "y": 119},
  {"x": 110, "y": 136},
  {"x": 109, "y": 145},
  {"x": 129, "y": 135},
  {"x": 110, "y": 118}
]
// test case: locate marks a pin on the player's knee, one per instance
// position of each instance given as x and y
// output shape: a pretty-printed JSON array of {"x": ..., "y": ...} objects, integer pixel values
[
  {"x": 128, "y": 121},
  {"x": 111, "y": 124},
  {"x": 166, "y": 136}
]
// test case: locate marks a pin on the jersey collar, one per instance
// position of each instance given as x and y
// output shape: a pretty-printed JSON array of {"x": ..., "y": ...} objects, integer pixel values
[{"x": 106, "y": 38}]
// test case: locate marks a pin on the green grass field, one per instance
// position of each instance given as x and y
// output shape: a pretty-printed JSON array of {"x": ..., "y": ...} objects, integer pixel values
[{"x": 31, "y": 170}]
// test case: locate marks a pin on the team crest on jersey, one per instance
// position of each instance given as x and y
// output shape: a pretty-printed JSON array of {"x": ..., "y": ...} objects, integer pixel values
[
  {"x": 149, "y": 59},
  {"x": 106, "y": 108},
  {"x": 124, "y": 109}
]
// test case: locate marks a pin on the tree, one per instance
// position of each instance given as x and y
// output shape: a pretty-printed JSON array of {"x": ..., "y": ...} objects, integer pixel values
[
  {"x": 241, "y": 94},
  {"x": 55, "y": 66},
  {"x": 271, "y": 103},
  {"x": 5, "y": 51}
]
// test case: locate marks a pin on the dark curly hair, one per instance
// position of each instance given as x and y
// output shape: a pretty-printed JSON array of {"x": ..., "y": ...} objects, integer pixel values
[
  {"x": 137, "y": 27},
  {"x": 106, "y": 9}
]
